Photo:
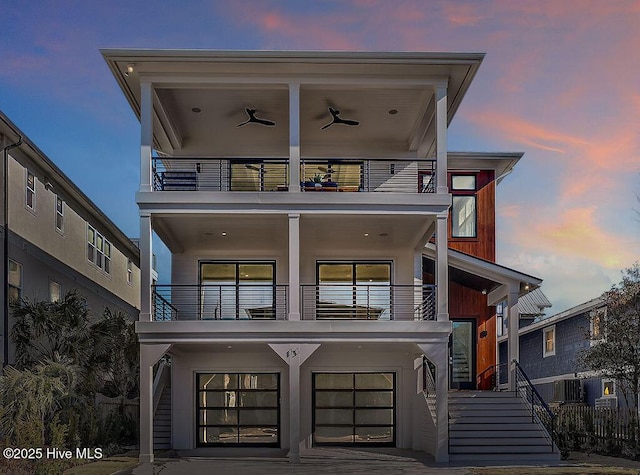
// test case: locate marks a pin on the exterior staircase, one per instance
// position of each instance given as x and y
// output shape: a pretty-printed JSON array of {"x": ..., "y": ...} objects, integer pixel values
[
  {"x": 495, "y": 426},
  {"x": 162, "y": 421}
]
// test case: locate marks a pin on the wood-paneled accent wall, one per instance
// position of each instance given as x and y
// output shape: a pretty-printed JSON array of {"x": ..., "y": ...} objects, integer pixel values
[{"x": 484, "y": 245}]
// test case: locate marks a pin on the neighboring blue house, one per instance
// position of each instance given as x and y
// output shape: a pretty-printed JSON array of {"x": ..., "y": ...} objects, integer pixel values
[{"x": 549, "y": 349}]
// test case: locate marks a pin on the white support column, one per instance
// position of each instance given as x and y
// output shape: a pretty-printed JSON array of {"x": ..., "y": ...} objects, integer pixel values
[
  {"x": 442, "y": 268},
  {"x": 294, "y": 267},
  {"x": 146, "y": 262},
  {"x": 294, "y": 355},
  {"x": 438, "y": 353},
  {"x": 149, "y": 355},
  {"x": 441, "y": 138},
  {"x": 294, "y": 137},
  {"x": 513, "y": 341},
  {"x": 146, "y": 136}
]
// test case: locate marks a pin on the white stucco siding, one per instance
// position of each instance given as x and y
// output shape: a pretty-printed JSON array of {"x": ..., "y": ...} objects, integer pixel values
[{"x": 395, "y": 358}]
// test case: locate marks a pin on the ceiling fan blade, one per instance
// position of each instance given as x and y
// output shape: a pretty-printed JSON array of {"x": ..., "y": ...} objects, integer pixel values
[
  {"x": 268, "y": 123},
  {"x": 350, "y": 122},
  {"x": 244, "y": 123},
  {"x": 328, "y": 125},
  {"x": 252, "y": 167}
]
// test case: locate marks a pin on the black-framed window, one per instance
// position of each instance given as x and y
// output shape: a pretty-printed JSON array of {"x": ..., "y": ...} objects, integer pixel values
[
  {"x": 354, "y": 289},
  {"x": 237, "y": 290},
  {"x": 238, "y": 409},
  {"x": 464, "y": 215},
  {"x": 59, "y": 214},
  {"x": 354, "y": 409},
  {"x": 30, "y": 191}
]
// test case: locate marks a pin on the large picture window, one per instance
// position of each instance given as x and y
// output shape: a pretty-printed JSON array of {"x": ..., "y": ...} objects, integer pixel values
[
  {"x": 354, "y": 409},
  {"x": 238, "y": 409}
]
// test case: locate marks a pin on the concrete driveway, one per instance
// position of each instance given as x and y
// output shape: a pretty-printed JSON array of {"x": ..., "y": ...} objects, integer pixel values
[{"x": 323, "y": 461}]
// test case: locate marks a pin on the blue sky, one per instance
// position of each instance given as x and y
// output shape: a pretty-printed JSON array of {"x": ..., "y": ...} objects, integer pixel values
[{"x": 560, "y": 82}]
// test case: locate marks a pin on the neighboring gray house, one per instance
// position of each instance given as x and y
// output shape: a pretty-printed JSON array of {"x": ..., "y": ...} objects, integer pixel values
[
  {"x": 549, "y": 350},
  {"x": 58, "y": 239}
]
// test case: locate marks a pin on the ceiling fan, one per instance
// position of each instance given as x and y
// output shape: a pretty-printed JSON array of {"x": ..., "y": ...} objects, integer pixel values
[
  {"x": 255, "y": 120},
  {"x": 335, "y": 113}
]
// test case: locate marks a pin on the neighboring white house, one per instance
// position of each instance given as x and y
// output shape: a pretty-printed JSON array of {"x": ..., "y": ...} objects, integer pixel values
[
  {"x": 305, "y": 199},
  {"x": 58, "y": 239}
]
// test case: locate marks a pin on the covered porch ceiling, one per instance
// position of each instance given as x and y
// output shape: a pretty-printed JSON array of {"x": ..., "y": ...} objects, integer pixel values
[
  {"x": 270, "y": 232},
  {"x": 200, "y": 98}
]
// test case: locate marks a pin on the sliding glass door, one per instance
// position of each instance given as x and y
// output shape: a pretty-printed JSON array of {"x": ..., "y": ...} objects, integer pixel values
[
  {"x": 237, "y": 290},
  {"x": 356, "y": 290}
]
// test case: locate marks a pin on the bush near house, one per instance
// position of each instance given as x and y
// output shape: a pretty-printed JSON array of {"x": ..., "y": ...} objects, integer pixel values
[{"x": 62, "y": 362}]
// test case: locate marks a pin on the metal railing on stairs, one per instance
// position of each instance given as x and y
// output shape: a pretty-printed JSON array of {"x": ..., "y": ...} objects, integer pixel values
[
  {"x": 541, "y": 414},
  {"x": 495, "y": 374}
]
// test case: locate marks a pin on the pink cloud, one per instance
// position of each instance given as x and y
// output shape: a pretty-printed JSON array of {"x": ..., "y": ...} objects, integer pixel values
[{"x": 573, "y": 233}]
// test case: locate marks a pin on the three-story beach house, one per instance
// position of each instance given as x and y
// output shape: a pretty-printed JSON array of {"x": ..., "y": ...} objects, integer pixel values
[{"x": 324, "y": 242}]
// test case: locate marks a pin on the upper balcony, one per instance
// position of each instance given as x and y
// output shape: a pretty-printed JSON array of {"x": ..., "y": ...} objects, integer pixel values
[{"x": 273, "y": 175}]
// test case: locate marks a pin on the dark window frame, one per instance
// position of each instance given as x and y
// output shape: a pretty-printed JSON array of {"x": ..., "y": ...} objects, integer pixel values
[
  {"x": 237, "y": 263},
  {"x": 464, "y": 192}
]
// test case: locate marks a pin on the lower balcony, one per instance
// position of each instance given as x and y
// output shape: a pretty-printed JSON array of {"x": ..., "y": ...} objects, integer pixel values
[{"x": 270, "y": 302}]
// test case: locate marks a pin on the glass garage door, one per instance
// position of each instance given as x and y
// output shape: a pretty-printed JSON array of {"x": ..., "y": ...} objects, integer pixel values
[
  {"x": 238, "y": 409},
  {"x": 354, "y": 409}
]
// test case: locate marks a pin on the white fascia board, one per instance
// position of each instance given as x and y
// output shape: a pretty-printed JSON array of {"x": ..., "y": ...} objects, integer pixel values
[
  {"x": 283, "y": 331},
  {"x": 279, "y": 202},
  {"x": 569, "y": 313},
  {"x": 484, "y": 268}
]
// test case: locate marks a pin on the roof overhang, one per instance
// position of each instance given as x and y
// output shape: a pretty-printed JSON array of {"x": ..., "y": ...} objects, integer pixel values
[
  {"x": 484, "y": 276},
  {"x": 365, "y": 86}
]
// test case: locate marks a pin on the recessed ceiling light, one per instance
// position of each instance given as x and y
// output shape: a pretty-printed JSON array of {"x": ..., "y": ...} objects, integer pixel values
[
  {"x": 197, "y": 110},
  {"x": 393, "y": 111},
  {"x": 224, "y": 234},
  {"x": 366, "y": 234},
  {"x": 229, "y": 347}
]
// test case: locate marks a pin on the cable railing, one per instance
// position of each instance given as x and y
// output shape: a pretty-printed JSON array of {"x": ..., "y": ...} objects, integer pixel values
[
  {"x": 429, "y": 388},
  {"x": 369, "y": 175},
  {"x": 368, "y": 302},
  {"x": 273, "y": 174},
  {"x": 220, "y": 302},
  {"x": 495, "y": 374},
  {"x": 540, "y": 412}
]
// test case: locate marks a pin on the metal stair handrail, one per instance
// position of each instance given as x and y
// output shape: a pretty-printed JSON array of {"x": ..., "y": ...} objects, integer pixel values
[{"x": 541, "y": 414}]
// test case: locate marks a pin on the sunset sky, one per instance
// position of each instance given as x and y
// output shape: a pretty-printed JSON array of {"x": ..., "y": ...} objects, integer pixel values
[{"x": 560, "y": 82}]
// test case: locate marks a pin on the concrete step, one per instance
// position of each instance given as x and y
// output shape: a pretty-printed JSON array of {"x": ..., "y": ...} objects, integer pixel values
[
  {"x": 502, "y": 441},
  {"x": 491, "y": 434},
  {"x": 500, "y": 457},
  {"x": 496, "y": 425},
  {"x": 162, "y": 421},
  {"x": 479, "y": 394},
  {"x": 481, "y": 419},
  {"x": 511, "y": 449}
]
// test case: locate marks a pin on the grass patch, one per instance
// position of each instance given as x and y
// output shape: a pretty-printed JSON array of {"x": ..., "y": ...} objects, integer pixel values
[{"x": 106, "y": 466}]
